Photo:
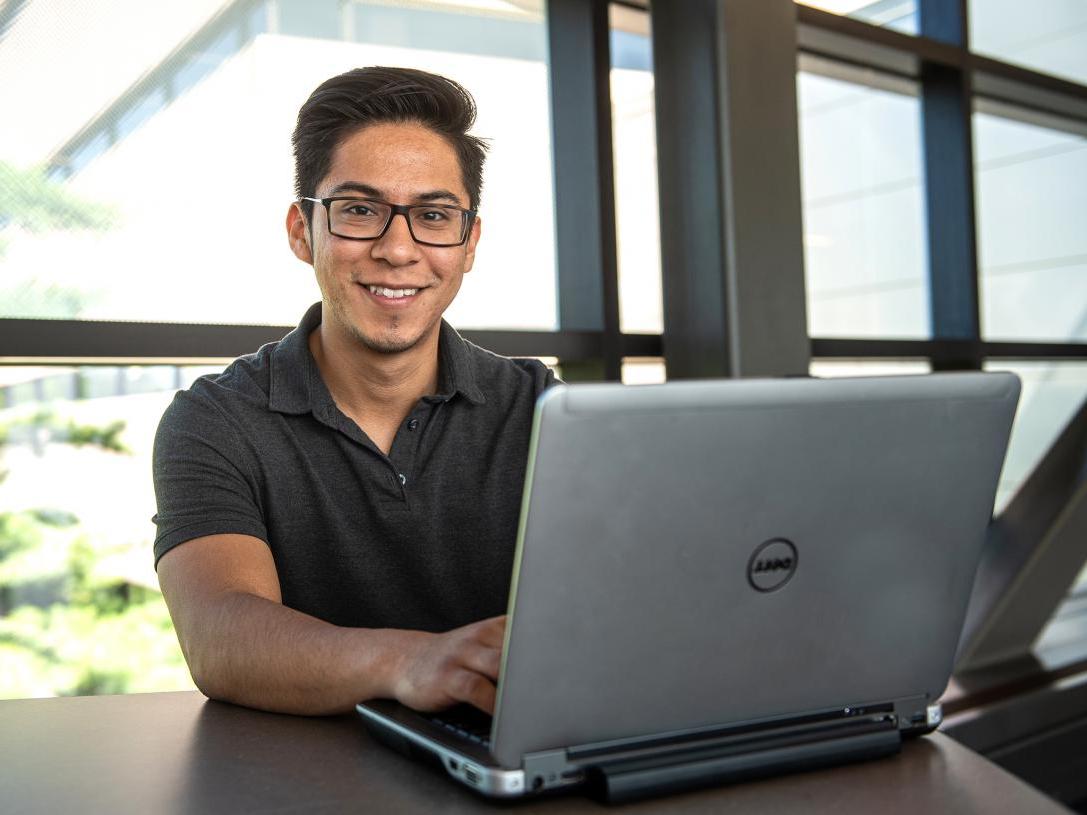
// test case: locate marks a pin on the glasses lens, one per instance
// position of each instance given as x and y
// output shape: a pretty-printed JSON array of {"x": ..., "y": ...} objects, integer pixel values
[
  {"x": 434, "y": 224},
  {"x": 358, "y": 218}
]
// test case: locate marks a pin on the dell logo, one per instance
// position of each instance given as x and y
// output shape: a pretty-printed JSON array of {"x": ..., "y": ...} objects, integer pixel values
[{"x": 771, "y": 564}]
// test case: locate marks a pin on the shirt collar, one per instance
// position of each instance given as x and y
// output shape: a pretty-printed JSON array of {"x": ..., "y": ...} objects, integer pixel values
[
  {"x": 296, "y": 385},
  {"x": 456, "y": 373}
]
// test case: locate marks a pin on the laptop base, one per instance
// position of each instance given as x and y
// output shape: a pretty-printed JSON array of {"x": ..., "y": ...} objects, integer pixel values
[{"x": 629, "y": 770}]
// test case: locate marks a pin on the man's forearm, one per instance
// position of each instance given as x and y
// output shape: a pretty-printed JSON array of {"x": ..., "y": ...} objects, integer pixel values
[
  {"x": 244, "y": 646},
  {"x": 259, "y": 653}
]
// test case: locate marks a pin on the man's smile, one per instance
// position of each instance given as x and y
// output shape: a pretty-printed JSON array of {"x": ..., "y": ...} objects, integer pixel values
[
  {"x": 390, "y": 295},
  {"x": 396, "y": 294}
]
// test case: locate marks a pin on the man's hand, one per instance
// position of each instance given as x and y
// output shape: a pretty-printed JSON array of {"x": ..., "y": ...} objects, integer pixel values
[{"x": 437, "y": 671}]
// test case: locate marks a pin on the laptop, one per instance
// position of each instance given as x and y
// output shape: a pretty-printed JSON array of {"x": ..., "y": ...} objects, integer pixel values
[{"x": 719, "y": 580}]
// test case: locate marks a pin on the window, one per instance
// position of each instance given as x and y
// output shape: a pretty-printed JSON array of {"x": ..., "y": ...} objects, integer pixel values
[
  {"x": 1032, "y": 246},
  {"x": 868, "y": 367},
  {"x": 80, "y": 609},
  {"x": 1046, "y": 35},
  {"x": 159, "y": 193},
  {"x": 643, "y": 371},
  {"x": 634, "y": 134},
  {"x": 900, "y": 15},
  {"x": 119, "y": 203},
  {"x": 1052, "y": 393},
  {"x": 864, "y": 234}
]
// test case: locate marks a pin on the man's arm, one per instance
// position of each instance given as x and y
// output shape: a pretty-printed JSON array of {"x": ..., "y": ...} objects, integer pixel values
[{"x": 243, "y": 645}]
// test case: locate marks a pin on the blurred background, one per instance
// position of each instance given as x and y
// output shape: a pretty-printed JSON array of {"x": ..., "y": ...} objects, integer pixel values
[{"x": 145, "y": 174}]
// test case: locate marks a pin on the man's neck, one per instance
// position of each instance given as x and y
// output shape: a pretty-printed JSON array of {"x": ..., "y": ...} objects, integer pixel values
[{"x": 368, "y": 385}]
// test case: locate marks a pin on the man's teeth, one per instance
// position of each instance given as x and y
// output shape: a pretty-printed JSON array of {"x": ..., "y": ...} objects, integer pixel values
[{"x": 393, "y": 293}]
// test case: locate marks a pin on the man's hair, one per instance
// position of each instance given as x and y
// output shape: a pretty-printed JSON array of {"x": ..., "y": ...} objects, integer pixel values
[{"x": 367, "y": 96}]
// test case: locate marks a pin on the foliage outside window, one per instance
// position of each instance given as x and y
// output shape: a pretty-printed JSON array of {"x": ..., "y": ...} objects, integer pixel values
[{"x": 75, "y": 617}]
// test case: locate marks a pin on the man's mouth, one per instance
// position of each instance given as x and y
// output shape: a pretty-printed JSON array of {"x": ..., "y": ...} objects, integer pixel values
[{"x": 392, "y": 294}]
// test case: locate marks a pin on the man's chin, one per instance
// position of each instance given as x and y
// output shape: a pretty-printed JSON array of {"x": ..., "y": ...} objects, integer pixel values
[{"x": 388, "y": 344}]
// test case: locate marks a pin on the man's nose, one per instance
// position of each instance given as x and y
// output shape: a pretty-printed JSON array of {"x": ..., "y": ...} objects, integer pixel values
[{"x": 397, "y": 246}]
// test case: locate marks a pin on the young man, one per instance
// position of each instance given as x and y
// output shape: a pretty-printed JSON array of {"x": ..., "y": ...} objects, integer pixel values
[{"x": 337, "y": 512}]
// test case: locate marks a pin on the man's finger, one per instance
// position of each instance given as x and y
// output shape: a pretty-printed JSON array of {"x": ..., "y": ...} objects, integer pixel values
[
  {"x": 482, "y": 659},
  {"x": 475, "y": 689},
  {"x": 492, "y": 632}
]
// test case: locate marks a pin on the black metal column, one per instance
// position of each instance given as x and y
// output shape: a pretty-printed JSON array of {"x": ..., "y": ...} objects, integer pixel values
[
  {"x": 690, "y": 169},
  {"x": 728, "y": 158},
  {"x": 588, "y": 288},
  {"x": 949, "y": 185}
]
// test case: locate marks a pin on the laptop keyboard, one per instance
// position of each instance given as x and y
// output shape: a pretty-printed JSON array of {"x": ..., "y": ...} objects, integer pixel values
[{"x": 467, "y": 722}]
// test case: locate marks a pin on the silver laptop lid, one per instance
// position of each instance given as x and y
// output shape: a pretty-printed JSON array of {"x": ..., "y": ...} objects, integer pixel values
[{"x": 701, "y": 553}]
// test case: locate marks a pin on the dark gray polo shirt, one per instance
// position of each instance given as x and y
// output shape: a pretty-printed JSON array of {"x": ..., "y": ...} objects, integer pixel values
[{"x": 422, "y": 538}]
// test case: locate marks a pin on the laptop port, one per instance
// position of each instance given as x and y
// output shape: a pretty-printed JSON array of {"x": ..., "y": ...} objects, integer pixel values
[
  {"x": 454, "y": 765},
  {"x": 472, "y": 774}
]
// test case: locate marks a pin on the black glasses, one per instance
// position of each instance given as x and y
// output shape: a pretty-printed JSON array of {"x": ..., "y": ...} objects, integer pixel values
[{"x": 367, "y": 219}]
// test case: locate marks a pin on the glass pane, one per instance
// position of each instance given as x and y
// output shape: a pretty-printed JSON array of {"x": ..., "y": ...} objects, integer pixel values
[
  {"x": 864, "y": 234},
  {"x": 1046, "y": 35},
  {"x": 1032, "y": 241},
  {"x": 118, "y": 200},
  {"x": 80, "y": 608},
  {"x": 634, "y": 137},
  {"x": 643, "y": 371},
  {"x": 901, "y": 15},
  {"x": 1080, "y": 586},
  {"x": 1052, "y": 393},
  {"x": 868, "y": 367}
]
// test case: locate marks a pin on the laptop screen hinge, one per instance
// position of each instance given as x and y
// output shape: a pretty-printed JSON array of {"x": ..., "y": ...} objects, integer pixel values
[{"x": 774, "y": 751}]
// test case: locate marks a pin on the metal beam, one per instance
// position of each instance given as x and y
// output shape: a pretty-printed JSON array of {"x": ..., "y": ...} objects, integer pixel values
[
  {"x": 588, "y": 288},
  {"x": 1034, "y": 350},
  {"x": 1035, "y": 550},
  {"x": 855, "y": 41},
  {"x": 36, "y": 341},
  {"x": 947, "y": 147},
  {"x": 944, "y": 21},
  {"x": 26, "y": 341},
  {"x": 1029, "y": 89},
  {"x": 690, "y": 169},
  {"x": 862, "y": 44},
  {"x": 946, "y": 351},
  {"x": 728, "y": 163}
]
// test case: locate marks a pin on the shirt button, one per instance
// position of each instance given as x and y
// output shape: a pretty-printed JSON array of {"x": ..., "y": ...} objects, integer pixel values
[
  {"x": 403, "y": 478},
  {"x": 413, "y": 424}
]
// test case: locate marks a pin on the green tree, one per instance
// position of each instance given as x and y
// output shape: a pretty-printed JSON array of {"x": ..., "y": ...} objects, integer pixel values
[
  {"x": 35, "y": 202},
  {"x": 68, "y": 627}
]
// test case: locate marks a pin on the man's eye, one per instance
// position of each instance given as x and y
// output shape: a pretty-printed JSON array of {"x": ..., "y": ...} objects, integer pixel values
[
  {"x": 432, "y": 217},
  {"x": 358, "y": 211}
]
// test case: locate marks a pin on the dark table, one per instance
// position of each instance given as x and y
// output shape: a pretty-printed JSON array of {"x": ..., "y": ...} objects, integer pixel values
[{"x": 162, "y": 753}]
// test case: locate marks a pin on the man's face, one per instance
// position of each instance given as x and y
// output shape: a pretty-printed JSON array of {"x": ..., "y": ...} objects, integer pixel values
[{"x": 401, "y": 164}]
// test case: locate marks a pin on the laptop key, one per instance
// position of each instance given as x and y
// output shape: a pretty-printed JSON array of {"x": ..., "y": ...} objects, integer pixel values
[{"x": 466, "y": 722}]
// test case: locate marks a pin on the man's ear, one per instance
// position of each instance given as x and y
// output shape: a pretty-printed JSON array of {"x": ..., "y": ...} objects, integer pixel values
[
  {"x": 470, "y": 246},
  {"x": 298, "y": 234}
]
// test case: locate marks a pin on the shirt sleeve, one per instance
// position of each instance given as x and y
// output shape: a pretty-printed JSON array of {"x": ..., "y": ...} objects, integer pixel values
[
  {"x": 543, "y": 377},
  {"x": 204, "y": 477}
]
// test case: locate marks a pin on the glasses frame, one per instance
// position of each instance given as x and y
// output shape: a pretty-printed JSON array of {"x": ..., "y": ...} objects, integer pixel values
[{"x": 394, "y": 210}]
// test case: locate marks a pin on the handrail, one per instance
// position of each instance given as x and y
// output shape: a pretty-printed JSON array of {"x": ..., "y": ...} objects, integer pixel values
[{"x": 1034, "y": 552}]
